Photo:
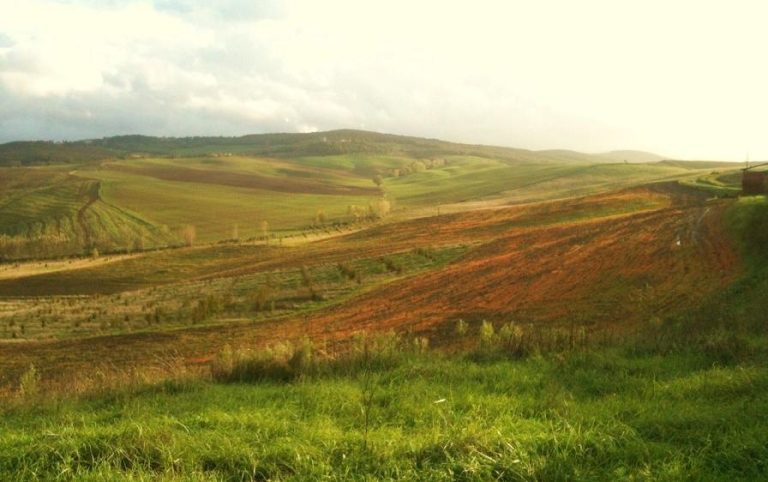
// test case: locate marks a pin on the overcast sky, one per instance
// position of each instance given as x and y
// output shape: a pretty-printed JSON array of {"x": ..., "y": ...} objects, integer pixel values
[{"x": 686, "y": 79}]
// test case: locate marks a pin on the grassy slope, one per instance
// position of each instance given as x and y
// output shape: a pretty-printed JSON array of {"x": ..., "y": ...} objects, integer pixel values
[
  {"x": 148, "y": 193},
  {"x": 53, "y": 213},
  {"x": 686, "y": 403},
  {"x": 612, "y": 414},
  {"x": 214, "y": 209},
  {"x": 466, "y": 179}
]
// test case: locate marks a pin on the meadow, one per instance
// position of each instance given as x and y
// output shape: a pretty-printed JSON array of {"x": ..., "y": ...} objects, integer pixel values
[
  {"x": 358, "y": 306},
  {"x": 605, "y": 414}
]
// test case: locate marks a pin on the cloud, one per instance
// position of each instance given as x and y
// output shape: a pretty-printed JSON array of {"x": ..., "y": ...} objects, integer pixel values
[{"x": 684, "y": 79}]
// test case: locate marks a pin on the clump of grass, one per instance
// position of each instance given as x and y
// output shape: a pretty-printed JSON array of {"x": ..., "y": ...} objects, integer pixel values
[
  {"x": 515, "y": 341},
  {"x": 281, "y": 362},
  {"x": 29, "y": 384},
  {"x": 392, "y": 265},
  {"x": 287, "y": 361},
  {"x": 461, "y": 328}
]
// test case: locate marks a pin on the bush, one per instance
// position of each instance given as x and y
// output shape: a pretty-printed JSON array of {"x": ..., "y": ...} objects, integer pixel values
[
  {"x": 461, "y": 328},
  {"x": 725, "y": 348},
  {"x": 282, "y": 362},
  {"x": 29, "y": 384},
  {"x": 487, "y": 335}
]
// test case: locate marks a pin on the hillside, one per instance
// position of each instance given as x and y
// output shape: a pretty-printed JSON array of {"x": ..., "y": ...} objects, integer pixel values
[
  {"x": 474, "y": 313},
  {"x": 121, "y": 194},
  {"x": 339, "y": 142},
  {"x": 592, "y": 338},
  {"x": 632, "y": 156}
]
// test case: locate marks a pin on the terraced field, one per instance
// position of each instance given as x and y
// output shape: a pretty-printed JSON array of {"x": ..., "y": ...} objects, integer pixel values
[{"x": 49, "y": 213}]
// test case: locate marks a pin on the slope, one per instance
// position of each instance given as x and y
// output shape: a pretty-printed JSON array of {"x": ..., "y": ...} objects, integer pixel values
[{"x": 610, "y": 262}]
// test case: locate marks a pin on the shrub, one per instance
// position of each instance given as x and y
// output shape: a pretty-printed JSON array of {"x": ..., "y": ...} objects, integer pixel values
[
  {"x": 725, "y": 348},
  {"x": 29, "y": 384},
  {"x": 280, "y": 362},
  {"x": 487, "y": 335},
  {"x": 461, "y": 328}
]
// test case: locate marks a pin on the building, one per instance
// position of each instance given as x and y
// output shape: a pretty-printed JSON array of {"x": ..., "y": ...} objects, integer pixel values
[{"x": 753, "y": 179}]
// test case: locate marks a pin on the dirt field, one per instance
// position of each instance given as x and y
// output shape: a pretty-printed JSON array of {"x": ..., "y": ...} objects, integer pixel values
[
  {"x": 250, "y": 181},
  {"x": 585, "y": 262}
]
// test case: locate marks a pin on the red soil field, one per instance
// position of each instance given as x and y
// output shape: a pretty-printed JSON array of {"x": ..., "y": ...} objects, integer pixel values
[
  {"x": 250, "y": 181},
  {"x": 617, "y": 271}
]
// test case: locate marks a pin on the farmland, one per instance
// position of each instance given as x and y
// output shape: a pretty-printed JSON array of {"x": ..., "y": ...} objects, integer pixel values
[{"x": 359, "y": 305}]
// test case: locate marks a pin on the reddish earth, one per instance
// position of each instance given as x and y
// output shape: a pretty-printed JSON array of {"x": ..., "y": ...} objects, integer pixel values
[
  {"x": 250, "y": 181},
  {"x": 616, "y": 271}
]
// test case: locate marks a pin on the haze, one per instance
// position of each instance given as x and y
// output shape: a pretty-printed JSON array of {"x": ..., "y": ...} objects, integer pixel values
[{"x": 685, "y": 79}]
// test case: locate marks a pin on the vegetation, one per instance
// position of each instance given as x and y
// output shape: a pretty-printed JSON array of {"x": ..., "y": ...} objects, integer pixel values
[
  {"x": 358, "y": 306},
  {"x": 386, "y": 412},
  {"x": 121, "y": 193}
]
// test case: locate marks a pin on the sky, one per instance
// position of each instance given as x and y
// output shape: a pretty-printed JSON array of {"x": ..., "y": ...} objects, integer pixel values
[{"x": 685, "y": 79}]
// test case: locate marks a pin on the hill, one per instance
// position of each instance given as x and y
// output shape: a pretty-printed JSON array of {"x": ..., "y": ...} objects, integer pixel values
[
  {"x": 122, "y": 193},
  {"x": 632, "y": 156},
  {"x": 338, "y": 142},
  {"x": 389, "y": 308},
  {"x": 485, "y": 343}
]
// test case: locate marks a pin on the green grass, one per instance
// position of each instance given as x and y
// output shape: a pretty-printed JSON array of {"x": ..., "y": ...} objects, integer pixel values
[
  {"x": 686, "y": 398},
  {"x": 468, "y": 179},
  {"x": 607, "y": 415},
  {"x": 214, "y": 210}
]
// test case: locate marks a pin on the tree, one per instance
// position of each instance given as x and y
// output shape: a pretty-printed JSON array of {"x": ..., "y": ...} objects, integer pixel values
[
  {"x": 378, "y": 180},
  {"x": 265, "y": 230},
  {"x": 189, "y": 234},
  {"x": 355, "y": 212},
  {"x": 384, "y": 207},
  {"x": 320, "y": 217}
]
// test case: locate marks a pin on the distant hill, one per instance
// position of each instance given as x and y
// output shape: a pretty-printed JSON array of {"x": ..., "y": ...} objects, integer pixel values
[
  {"x": 46, "y": 152},
  {"x": 632, "y": 156},
  {"x": 330, "y": 143}
]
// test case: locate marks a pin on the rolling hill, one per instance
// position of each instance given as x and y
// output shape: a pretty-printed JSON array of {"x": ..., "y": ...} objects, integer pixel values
[
  {"x": 125, "y": 193},
  {"x": 352, "y": 305}
]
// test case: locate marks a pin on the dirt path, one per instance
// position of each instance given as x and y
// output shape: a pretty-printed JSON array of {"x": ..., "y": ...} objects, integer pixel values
[
  {"x": 32, "y": 268},
  {"x": 93, "y": 196}
]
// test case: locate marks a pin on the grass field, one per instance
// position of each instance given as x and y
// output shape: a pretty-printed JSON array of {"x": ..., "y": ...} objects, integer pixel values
[
  {"x": 508, "y": 315},
  {"x": 612, "y": 414}
]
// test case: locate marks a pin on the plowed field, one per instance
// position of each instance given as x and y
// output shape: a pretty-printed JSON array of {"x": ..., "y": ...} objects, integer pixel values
[{"x": 615, "y": 260}]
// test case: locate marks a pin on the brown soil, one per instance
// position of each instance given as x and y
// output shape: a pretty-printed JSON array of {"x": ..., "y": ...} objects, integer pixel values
[
  {"x": 617, "y": 271},
  {"x": 249, "y": 181}
]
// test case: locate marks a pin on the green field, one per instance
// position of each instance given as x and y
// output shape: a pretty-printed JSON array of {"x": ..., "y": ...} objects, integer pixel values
[
  {"x": 361, "y": 306},
  {"x": 611, "y": 414}
]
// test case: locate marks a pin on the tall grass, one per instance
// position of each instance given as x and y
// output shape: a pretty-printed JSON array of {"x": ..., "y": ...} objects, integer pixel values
[{"x": 386, "y": 411}]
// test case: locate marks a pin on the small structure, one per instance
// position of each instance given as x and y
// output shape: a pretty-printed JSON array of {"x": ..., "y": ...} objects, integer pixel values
[{"x": 753, "y": 179}]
